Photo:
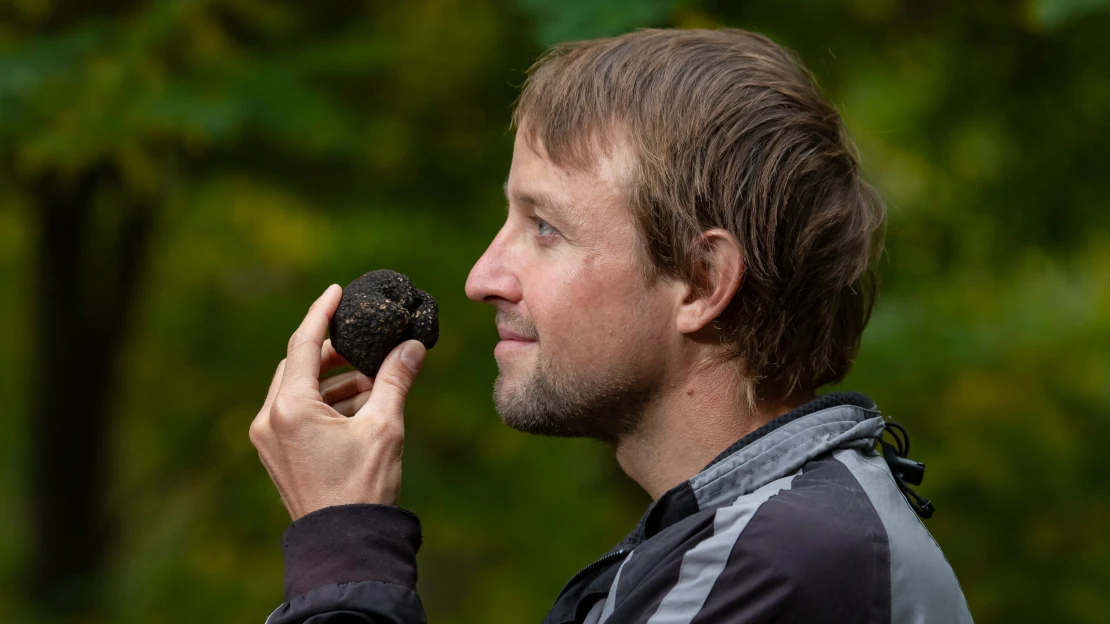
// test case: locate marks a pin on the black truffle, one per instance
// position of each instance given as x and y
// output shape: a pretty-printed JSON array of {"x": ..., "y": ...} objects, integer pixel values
[{"x": 379, "y": 311}]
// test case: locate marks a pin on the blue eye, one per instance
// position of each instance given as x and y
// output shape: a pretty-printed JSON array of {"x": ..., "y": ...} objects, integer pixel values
[{"x": 543, "y": 229}]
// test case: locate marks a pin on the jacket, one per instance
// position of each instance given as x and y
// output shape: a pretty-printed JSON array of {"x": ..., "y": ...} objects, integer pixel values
[{"x": 802, "y": 520}]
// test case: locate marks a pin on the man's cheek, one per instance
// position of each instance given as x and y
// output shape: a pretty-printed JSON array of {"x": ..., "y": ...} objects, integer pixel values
[{"x": 562, "y": 336}]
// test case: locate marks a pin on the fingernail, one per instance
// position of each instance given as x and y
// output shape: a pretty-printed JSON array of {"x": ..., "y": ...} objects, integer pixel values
[{"x": 412, "y": 355}]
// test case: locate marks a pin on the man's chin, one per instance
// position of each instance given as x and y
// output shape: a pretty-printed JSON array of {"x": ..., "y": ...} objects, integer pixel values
[
  {"x": 524, "y": 409},
  {"x": 542, "y": 425},
  {"x": 584, "y": 404},
  {"x": 516, "y": 409}
]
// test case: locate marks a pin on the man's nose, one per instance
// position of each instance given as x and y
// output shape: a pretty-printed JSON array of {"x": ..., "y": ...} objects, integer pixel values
[{"x": 491, "y": 279}]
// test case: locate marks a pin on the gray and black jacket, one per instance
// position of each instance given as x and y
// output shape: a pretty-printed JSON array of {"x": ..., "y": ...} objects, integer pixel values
[{"x": 800, "y": 521}]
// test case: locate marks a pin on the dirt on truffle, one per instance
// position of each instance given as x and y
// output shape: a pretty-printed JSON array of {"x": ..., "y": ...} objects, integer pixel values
[{"x": 378, "y": 311}]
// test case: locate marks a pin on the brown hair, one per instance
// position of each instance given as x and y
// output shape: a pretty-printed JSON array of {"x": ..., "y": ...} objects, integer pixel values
[{"x": 729, "y": 131}]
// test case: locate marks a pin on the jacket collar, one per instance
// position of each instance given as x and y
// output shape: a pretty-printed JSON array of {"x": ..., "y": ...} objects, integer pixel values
[{"x": 778, "y": 448}]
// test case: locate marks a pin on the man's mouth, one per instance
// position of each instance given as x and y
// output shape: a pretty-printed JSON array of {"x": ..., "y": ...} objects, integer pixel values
[
  {"x": 507, "y": 334},
  {"x": 513, "y": 341}
]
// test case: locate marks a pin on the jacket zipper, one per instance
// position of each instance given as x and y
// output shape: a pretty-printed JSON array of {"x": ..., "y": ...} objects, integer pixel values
[{"x": 604, "y": 558}]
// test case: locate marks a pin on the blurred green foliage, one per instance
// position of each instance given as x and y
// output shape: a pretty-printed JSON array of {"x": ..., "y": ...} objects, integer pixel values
[{"x": 284, "y": 147}]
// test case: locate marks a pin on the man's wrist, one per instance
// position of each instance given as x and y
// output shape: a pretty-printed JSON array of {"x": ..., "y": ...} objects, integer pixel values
[{"x": 348, "y": 544}]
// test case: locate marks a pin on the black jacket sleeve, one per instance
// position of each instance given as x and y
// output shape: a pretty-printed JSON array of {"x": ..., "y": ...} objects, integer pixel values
[{"x": 351, "y": 563}]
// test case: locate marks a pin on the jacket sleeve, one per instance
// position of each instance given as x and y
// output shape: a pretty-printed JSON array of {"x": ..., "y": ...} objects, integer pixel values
[{"x": 351, "y": 564}]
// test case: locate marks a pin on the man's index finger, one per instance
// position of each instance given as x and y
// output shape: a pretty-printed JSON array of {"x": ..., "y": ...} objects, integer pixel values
[{"x": 302, "y": 366}]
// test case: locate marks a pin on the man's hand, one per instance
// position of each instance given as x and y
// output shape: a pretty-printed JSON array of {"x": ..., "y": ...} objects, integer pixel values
[{"x": 337, "y": 441}]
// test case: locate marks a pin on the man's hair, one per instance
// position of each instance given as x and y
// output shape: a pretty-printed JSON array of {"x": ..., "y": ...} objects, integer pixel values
[{"x": 729, "y": 131}]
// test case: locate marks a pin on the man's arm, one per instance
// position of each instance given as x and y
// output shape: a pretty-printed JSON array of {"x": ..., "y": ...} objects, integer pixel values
[{"x": 333, "y": 450}]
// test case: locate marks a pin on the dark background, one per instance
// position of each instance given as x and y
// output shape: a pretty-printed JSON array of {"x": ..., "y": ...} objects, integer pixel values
[{"x": 180, "y": 179}]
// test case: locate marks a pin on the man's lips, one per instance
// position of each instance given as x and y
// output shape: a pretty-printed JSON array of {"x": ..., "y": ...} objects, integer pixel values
[{"x": 508, "y": 334}]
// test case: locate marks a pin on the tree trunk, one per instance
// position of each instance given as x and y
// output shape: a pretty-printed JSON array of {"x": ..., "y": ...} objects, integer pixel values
[{"x": 82, "y": 320}]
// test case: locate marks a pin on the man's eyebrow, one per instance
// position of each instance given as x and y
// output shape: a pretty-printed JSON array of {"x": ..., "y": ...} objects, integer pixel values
[{"x": 535, "y": 200}]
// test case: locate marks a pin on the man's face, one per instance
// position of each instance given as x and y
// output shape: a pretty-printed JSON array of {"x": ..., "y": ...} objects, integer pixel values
[{"x": 585, "y": 336}]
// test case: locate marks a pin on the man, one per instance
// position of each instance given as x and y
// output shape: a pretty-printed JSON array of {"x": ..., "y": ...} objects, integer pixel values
[{"x": 684, "y": 262}]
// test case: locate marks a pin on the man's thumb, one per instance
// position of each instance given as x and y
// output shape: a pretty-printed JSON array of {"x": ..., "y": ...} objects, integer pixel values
[
  {"x": 395, "y": 378},
  {"x": 412, "y": 356}
]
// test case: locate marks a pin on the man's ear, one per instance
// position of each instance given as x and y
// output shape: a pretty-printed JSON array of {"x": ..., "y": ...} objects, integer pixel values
[{"x": 718, "y": 270}]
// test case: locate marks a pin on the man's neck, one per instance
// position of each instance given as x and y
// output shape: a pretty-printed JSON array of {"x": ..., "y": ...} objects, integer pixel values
[{"x": 687, "y": 426}]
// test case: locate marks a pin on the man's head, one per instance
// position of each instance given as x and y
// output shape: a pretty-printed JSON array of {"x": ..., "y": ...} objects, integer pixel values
[{"x": 677, "y": 199}]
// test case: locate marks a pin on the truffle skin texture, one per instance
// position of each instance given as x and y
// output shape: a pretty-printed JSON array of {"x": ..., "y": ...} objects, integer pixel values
[{"x": 379, "y": 311}]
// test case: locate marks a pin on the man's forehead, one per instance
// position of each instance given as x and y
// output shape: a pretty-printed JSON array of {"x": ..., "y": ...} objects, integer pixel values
[
  {"x": 536, "y": 181},
  {"x": 533, "y": 197},
  {"x": 608, "y": 155}
]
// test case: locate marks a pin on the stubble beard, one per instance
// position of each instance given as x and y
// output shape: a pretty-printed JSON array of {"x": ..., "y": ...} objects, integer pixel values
[{"x": 552, "y": 401}]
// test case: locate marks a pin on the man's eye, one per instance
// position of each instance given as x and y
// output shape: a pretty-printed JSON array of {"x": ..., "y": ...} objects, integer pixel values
[{"x": 543, "y": 229}]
